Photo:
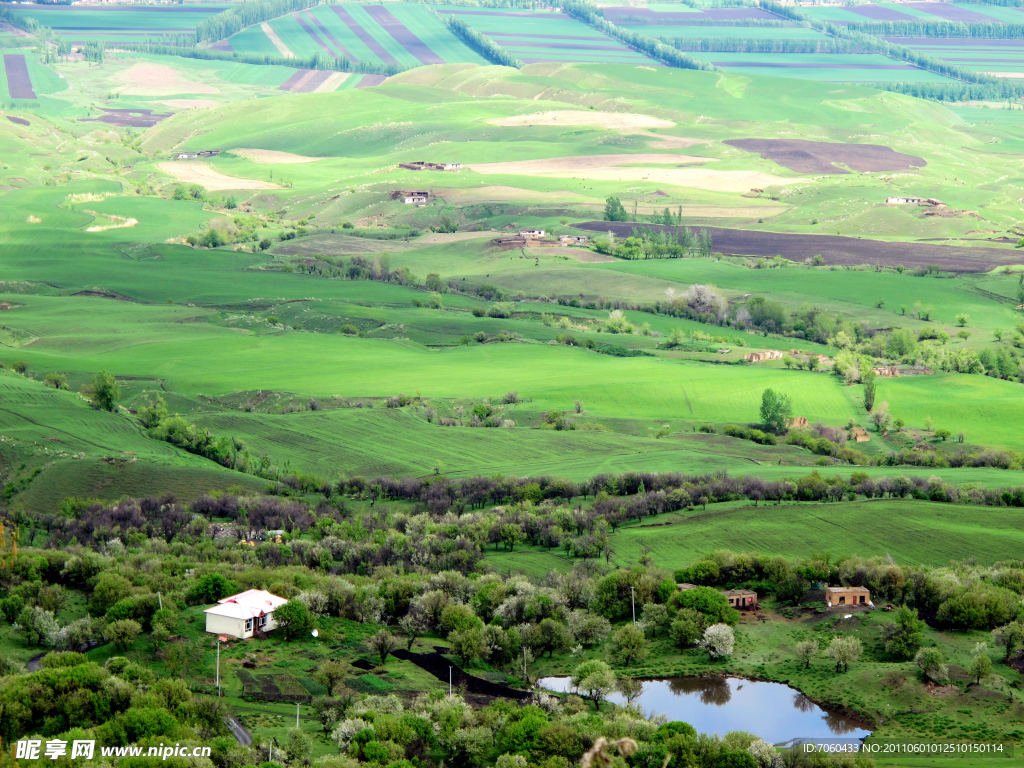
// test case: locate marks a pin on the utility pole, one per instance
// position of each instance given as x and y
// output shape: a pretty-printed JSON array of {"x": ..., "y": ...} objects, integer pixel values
[
  {"x": 160, "y": 600},
  {"x": 632, "y": 601},
  {"x": 297, "y": 714},
  {"x": 449, "y": 681},
  {"x": 218, "y": 665}
]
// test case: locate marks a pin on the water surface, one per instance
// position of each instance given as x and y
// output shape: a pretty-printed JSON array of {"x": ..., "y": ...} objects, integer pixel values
[{"x": 773, "y": 711}]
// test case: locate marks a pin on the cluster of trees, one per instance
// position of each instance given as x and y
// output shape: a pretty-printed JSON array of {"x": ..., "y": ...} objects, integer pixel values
[
  {"x": 593, "y": 16},
  {"x": 481, "y": 43},
  {"x": 318, "y": 60},
  {"x": 646, "y": 243},
  {"x": 235, "y": 19}
]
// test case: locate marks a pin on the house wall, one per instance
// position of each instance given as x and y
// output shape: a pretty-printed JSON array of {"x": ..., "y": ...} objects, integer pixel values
[{"x": 225, "y": 625}]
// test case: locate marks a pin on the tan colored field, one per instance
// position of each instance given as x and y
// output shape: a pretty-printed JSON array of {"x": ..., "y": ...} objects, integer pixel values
[
  {"x": 277, "y": 41},
  {"x": 453, "y": 237},
  {"x": 332, "y": 83},
  {"x": 197, "y": 172},
  {"x": 157, "y": 80},
  {"x": 273, "y": 157},
  {"x": 612, "y": 120},
  {"x": 582, "y": 165},
  {"x": 1010, "y": 75},
  {"x": 190, "y": 103},
  {"x": 696, "y": 178}
]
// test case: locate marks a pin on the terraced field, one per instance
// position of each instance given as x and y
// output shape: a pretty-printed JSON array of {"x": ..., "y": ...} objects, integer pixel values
[
  {"x": 374, "y": 34},
  {"x": 983, "y": 55},
  {"x": 923, "y": 11},
  {"x": 119, "y": 23},
  {"x": 541, "y": 36}
]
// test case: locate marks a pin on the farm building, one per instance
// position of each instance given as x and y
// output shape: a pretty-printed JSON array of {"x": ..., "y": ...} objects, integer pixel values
[
  {"x": 531, "y": 234},
  {"x": 195, "y": 155},
  {"x": 759, "y": 357},
  {"x": 798, "y": 422},
  {"x": 847, "y": 596},
  {"x": 860, "y": 435},
  {"x": 244, "y": 614},
  {"x": 912, "y": 201},
  {"x": 572, "y": 239},
  {"x": 685, "y": 586},
  {"x": 887, "y": 371},
  {"x": 411, "y": 198},
  {"x": 741, "y": 598},
  {"x": 424, "y": 165}
]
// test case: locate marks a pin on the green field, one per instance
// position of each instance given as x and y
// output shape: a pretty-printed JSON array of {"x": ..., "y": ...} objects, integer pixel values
[{"x": 912, "y": 532}]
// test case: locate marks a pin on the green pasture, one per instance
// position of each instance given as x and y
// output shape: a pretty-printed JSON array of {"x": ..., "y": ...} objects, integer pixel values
[
  {"x": 912, "y": 532},
  {"x": 253, "y": 40}
]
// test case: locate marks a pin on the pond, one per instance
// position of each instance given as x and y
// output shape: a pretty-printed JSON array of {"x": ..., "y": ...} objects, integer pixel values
[{"x": 775, "y": 712}]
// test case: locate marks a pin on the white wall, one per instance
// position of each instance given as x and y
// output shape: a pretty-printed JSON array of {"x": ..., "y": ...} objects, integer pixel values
[{"x": 225, "y": 625}]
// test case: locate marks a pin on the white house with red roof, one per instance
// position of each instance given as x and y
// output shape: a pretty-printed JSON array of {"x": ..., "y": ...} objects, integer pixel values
[{"x": 244, "y": 614}]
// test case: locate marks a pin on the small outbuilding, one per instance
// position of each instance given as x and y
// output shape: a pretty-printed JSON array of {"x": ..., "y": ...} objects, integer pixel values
[
  {"x": 244, "y": 614},
  {"x": 835, "y": 596},
  {"x": 741, "y": 598},
  {"x": 760, "y": 357},
  {"x": 572, "y": 239},
  {"x": 531, "y": 234},
  {"x": 861, "y": 435}
]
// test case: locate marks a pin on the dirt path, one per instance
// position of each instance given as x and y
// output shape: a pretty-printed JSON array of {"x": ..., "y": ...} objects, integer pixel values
[
  {"x": 277, "y": 41},
  {"x": 241, "y": 735}
]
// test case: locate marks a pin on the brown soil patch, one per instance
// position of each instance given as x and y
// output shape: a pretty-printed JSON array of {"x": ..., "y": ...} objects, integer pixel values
[
  {"x": 941, "y": 691},
  {"x": 196, "y": 172},
  {"x": 273, "y": 157},
  {"x": 190, "y": 103},
  {"x": 821, "y": 156},
  {"x": 157, "y": 80},
  {"x": 18, "y": 120},
  {"x": 839, "y": 250},
  {"x": 455, "y": 237},
  {"x": 611, "y": 120}
]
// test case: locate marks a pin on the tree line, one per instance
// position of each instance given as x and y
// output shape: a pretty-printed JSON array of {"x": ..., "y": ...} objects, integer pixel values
[
  {"x": 924, "y": 28},
  {"x": 985, "y": 86},
  {"x": 480, "y": 42},
  {"x": 318, "y": 60},
  {"x": 594, "y": 17},
  {"x": 238, "y": 17},
  {"x": 760, "y": 45}
]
